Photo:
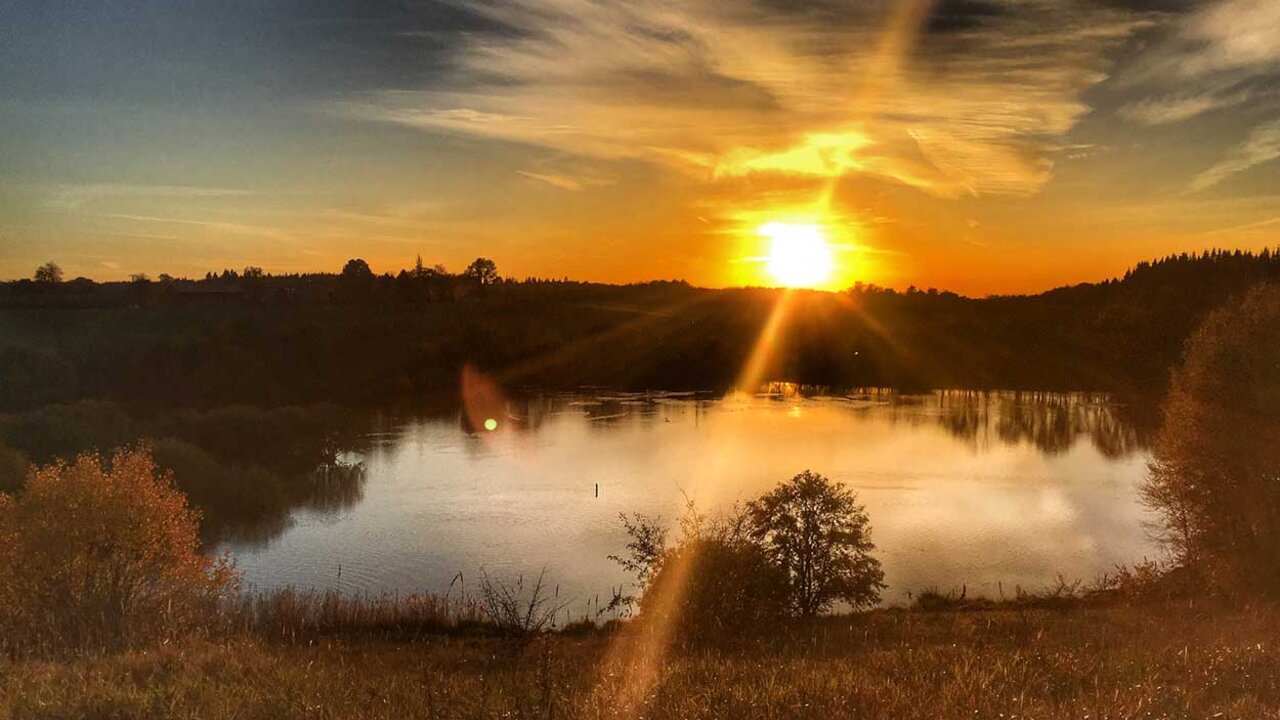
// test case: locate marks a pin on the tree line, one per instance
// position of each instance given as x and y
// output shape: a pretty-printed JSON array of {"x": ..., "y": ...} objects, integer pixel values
[{"x": 359, "y": 338}]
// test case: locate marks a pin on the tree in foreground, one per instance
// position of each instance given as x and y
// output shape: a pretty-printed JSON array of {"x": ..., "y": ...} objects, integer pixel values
[
  {"x": 818, "y": 532},
  {"x": 101, "y": 556},
  {"x": 1215, "y": 479},
  {"x": 796, "y": 550}
]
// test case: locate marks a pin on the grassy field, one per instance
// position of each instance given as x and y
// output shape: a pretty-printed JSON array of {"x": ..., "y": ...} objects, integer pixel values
[{"x": 1167, "y": 661}]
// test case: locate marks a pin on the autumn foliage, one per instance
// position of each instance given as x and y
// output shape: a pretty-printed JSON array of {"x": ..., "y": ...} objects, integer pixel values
[
  {"x": 1215, "y": 478},
  {"x": 102, "y": 556}
]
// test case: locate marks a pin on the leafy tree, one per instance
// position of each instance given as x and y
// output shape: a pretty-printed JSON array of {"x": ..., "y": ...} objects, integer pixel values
[
  {"x": 1215, "y": 479},
  {"x": 356, "y": 269},
  {"x": 816, "y": 530},
  {"x": 49, "y": 273},
  {"x": 483, "y": 271},
  {"x": 102, "y": 556}
]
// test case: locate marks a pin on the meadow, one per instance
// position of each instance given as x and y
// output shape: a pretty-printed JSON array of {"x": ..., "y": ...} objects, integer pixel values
[
  {"x": 112, "y": 610},
  {"x": 1183, "y": 659}
]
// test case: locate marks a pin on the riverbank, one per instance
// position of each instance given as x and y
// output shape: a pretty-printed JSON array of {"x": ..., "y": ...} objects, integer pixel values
[{"x": 1174, "y": 660}]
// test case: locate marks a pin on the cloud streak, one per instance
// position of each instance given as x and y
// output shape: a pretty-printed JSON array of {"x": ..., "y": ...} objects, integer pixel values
[
  {"x": 1262, "y": 145},
  {"x": 1225, "y": 54},
  {"x": 72, "y": 197},
  {"x": 729, "y": 89}
]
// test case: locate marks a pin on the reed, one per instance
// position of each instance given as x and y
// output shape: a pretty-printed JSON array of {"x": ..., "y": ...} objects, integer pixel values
[{"x": 292, "y": 614}]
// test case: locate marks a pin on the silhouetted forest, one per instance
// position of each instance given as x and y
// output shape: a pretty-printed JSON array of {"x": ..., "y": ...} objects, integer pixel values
[{"x": 363, "y": 339}]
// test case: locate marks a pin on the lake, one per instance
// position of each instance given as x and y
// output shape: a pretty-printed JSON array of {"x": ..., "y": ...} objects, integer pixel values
[{"x": 987, "y": 491}]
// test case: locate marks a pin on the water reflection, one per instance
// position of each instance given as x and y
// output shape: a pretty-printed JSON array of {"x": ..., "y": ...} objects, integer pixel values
[
  {"x": 325, "y": 492},
  {"x": 968, "y": 488},
  {"x": 335, "y": 487},
  {"x": 1053, "y": 422}
]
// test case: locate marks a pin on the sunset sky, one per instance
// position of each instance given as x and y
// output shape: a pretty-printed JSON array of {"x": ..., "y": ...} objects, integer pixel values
[{"x": 982, "y": 146}]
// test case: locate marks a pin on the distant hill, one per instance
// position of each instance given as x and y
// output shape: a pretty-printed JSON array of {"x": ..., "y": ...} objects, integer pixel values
[{"x": 358, "y": 338}]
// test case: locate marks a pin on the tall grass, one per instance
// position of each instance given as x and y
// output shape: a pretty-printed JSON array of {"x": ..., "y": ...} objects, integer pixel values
[
  {"x": 1156, "y": 661},
  {"x": 292, "y": 614}
]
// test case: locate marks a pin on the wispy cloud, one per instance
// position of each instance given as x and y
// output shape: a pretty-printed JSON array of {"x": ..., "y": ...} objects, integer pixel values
[
  {"x": 1262, "y": 145},
  {"x": 1225, "y": 54},
  {"x": 565, "y": 182},
  {"x": 732, "y": 88},
  {"x": 72, "y": 196},
  {"x": 269, "y": 233}
]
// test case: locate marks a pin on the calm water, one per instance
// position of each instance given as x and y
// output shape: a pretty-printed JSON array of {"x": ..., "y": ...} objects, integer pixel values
[{"x": 976, "y": 489}]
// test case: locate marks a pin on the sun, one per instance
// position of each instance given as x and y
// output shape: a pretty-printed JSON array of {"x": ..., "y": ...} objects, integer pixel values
[{"x": 799, "y": 255}]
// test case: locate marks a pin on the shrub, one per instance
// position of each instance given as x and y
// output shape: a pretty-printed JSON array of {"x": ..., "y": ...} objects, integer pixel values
[
  {"x": 816, "y": 530},
  {"x": 229, "y": 496},
  {"x": 795, "y": 550},
  {"x": 102, "y": 556},
  {"x": 286, "y": 440},
  {"x": 710, "y": 589},
  {"x": 1215, "y": 479}
]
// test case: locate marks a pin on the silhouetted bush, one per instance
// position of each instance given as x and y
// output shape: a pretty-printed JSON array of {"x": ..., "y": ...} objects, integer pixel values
[
  {"x": 99, "y": 556},
  {"x": 1215, "y": 479},
  {"x": 290, "y": 439},
  {"x": 710, "y": 589},
  {"x": 794, "y": 551},
  {"x": 229, "y": 496}
]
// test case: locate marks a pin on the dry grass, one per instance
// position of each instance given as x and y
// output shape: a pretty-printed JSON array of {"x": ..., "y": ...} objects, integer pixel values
[
  {"x": 305, "y": 615},
  {"x": 1165, "y": 661}
]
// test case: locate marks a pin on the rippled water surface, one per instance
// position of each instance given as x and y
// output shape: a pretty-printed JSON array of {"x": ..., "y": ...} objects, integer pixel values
[{"x": 984, "y": 490}]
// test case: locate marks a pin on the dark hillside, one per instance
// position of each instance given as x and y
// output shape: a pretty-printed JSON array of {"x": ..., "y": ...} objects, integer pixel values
[{"x": 272, "y": 340}]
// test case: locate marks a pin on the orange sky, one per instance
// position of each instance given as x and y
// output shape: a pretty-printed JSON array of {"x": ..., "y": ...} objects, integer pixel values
[{"x": 982, "y": 146}]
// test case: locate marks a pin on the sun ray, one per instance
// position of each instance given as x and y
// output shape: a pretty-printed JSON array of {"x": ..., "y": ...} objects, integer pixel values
[
  {"x": 641, "y": 656},
  {"x": 765, "y": 347}
]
